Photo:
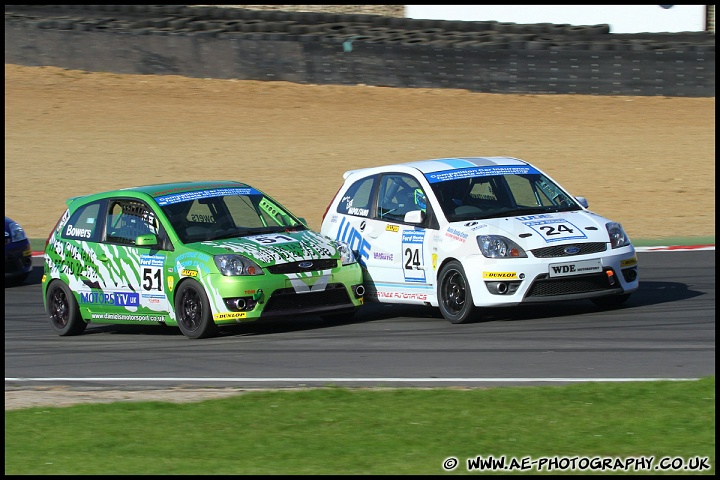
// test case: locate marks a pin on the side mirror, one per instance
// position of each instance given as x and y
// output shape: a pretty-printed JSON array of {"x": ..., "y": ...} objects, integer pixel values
[
  {"x": 582, "y": 201},
  {"x": 147, "y": 240},
  {"x": 415, "y": 216}
]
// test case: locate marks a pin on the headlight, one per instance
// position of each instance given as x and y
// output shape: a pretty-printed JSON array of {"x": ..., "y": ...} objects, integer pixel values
[
  {"x": 346, "y": 254},
  {"x": 618, "y": 237},
  {"x": 16, "y": 232},
  {"x": 497, "y": 246},
  {"x": 233, "y": 265}
]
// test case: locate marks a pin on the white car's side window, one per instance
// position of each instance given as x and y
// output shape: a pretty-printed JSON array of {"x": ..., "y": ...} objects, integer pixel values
[
  {"x": 399, "y": 194},
  {"x": 357, "y": 199}
]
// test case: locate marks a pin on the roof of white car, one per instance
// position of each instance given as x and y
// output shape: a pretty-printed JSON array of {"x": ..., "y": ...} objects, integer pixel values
[{"x": 443, "y": 164}]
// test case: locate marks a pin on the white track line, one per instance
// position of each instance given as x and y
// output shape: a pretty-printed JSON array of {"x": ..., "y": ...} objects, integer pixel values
[
  {"x": 676, "y": 248},
  {"x": 341, "y": 380}
]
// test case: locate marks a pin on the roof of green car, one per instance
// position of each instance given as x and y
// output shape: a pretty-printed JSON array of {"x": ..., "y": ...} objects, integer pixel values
[{"x": 160, "y": 189}]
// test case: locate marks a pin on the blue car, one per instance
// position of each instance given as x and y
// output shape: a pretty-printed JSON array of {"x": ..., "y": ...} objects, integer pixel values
[{"x": 18, "y": 254}]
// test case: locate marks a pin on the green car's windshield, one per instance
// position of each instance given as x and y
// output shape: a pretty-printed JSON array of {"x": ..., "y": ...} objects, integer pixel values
[
  {"x": 492, "y": 196},
  {"x": 212, "y": 215}
]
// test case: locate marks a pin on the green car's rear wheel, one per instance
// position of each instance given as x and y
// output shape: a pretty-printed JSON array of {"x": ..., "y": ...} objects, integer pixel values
[{"x": 62, "y": 308}]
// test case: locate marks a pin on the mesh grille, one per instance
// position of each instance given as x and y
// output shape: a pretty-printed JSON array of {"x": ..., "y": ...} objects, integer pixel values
[
  {"x": 286, "y": 301},
  {"x": 294, "y": 267},
  {"x": 559, "y": 250},
  {"x": 543, "y": 286}
]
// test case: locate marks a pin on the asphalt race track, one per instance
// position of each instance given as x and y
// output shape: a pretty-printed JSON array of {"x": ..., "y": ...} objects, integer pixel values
[{"x": 665, "y": 331}]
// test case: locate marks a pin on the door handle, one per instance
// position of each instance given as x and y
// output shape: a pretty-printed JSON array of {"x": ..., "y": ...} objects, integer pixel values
[{"x": 103, "y": 258}]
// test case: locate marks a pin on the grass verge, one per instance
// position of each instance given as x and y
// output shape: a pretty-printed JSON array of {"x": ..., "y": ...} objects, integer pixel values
[{"x": 371, "y": 431}]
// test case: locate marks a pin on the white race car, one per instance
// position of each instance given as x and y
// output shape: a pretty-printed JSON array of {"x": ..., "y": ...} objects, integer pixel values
[{"x": 461, "y": 233}]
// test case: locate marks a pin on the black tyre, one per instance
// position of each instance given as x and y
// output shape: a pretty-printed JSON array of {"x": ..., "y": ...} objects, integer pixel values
[
  {"x": 454, "y": 296},
  {"x": 613, "y": 301},
  {"x": 192, "y": 309},
  {"x": 62, "y": 308}
]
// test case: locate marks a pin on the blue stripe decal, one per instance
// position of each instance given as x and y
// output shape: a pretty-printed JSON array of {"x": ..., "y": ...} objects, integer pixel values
[
  {"x": 402, "y": 285},
  {"x": 479, "y": 172},
  {"x": 195, "y": 195},
  {"x": 456, "y": 162}
]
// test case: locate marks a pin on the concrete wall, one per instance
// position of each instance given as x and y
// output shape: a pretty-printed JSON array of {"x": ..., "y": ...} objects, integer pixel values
[{"x": 353, "y": 48}]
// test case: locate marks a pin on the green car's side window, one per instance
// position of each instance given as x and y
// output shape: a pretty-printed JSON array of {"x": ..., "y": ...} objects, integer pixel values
[
  {"x": 82, "y": 225},
  {"x": 127, "y": 219}
]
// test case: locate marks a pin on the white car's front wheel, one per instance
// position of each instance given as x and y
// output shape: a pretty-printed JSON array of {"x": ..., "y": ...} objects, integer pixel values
[{"x": 454, "y": 296}]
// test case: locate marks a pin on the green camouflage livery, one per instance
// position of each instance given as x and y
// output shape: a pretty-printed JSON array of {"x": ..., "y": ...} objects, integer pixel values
[{"x": 125, "y": 254}]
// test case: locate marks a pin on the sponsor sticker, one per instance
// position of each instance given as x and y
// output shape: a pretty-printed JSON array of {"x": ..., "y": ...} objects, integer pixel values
[
  {"x": 484, "y": 171},
  {"x": 456, "y": 234},
  {"x": 271, "y": 239},
  {"x": 122, "y": 299},
  {"x": 196, "y": 195},
  {"x": 628, "y": 262},
  {"x": 413, "y": 257},
  {"x": 382, "y": 256},
  {"x": 229, "y": 315},
  {"x": 500, "y": 275},
  {"x": 554, "y": 230},
  {"x": 575, "y": 268},
  {"x": 393, "y": 228}
]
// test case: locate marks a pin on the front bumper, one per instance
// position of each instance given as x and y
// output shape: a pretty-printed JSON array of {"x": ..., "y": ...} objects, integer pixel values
[
  {"x": 18, "y": 259},
  {"x": 242, "y": 299},
  {"x": 508, "y": 282}
]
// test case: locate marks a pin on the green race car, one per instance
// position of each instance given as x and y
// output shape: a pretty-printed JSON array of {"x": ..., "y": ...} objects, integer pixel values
[{"x": 196, "y": 255}]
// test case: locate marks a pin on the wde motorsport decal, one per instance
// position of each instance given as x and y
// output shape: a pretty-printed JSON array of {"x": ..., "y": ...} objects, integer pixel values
[{"x": 352, "y": 237}]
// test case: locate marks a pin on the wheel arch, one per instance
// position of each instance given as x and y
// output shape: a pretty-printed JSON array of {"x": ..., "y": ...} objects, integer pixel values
[
  {"x": 51, "y": 284},
  {"x": 475, "y": 286},
  {"x": 172, "y": 297}
]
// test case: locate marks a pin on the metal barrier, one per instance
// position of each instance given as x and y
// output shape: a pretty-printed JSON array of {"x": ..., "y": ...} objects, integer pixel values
[{"x": 315, "y": 48}]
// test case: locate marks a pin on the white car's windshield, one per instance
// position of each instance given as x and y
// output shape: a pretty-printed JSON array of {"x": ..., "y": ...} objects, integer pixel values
[{"x": 500, "y": 196}]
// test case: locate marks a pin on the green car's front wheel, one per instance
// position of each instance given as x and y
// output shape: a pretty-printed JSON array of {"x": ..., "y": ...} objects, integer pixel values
[
  {"x": 62, "y": 308},
  {"x": 192, "y": 308}
]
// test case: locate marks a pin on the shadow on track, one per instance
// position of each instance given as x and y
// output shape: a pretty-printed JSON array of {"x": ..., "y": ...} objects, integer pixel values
[{"x": 649, "y": 293}]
